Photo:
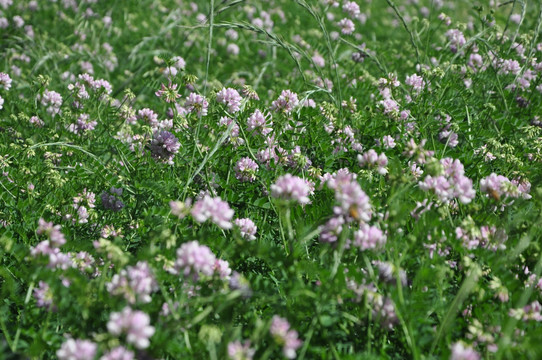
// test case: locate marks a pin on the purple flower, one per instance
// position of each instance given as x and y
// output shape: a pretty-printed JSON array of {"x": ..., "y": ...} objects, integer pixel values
[
  {"x": 372, "y": 159},
  {"x": 77, "y": 350},
  {"x": 257, "y": 123},
  {"x": 369, "y": 237},
  {"x": 461, "y": 351},
  {"x": 136, "y": 325},
  {"x": 332, "y": 229},
  {"x": 194, "y": 259},
  {"x": 118, "y": 353},
  {"x": 245, "y": 169},
  {"x": 238, "y": 351},
  {"x": 215, "y": 209},
  {"x": 52, "y": 100},
  {"x": 110, "y": 201},
  {"x": 416, "y": 82},
  {"x": 53, "y": 232},
  {"x": 495, "y": 185},
  {"x": 169, "y": 93},
  {"x": 5, "y": 81},
  {"x": 286, "y": 102},
  {"x": 353, "y": 201},
  {"x": 196, "y": 103},
  {"x": 44, "y": 296},
  {"x": 247, "y": 227},
  {"x": 291, "y": 188},
  {"x": 280, "y": 330},
  {"x": 231, "y": 98},
  {"x": 347, "y": 26},
  {"x": 135, "y": 283},
  {"x": 164, "y": 146}
]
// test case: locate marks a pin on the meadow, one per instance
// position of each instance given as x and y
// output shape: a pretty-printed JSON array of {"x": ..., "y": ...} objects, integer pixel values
[{"x": 270, "y": 179}]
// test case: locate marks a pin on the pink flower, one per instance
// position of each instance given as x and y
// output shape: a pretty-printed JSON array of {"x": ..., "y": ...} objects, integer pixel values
[
  {"x": 196, "y": 103},
  {"x": 118, "y": 353},
  {"x": 347, "y": 26},
  {"x": 247, "y": 227},
  {"x": 461, "y": 351},
  {"x": 194, "y": 259},
  {"x": 245, "y": 169},
  {"x": 135, "y": 324},
  {"x": 231, "y": 98},
  {"x": 369, "y": 237},
  {"x": 291, "y": 188},
  {"x": 215, "y": 209},
  {"x": 77, "y": 350},
  {"x": 240, "y": 351},
  {"x": 286, "y": 102},
  {"x": 280, "y": 330}
]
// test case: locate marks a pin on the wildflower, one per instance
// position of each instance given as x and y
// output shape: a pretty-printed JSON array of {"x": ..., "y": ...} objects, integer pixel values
[
  {"x": 388, "y": 142},
  {"x": 215, "y": 209},
  {"x": 148, "y": 116},
  {"x": 495, "y": 185},
  {"x": 331, "y": 230},
  {"x": 231, "y": 98},
  {"x": 291, "y": 188},
  {"x": 456, "y": 39},
  {"x": 461, "y": 351},
  {"x": 164, "y": 146},
  {"x": 135, "y": 283},
  {"x": 169, "y": 93},
  {"x": 82, "y": 125},
  {"x": 286, "y": 102},
  {"x": 77, "y": 350},
  {"x": 258, "y": 123},
  {"x": 384, "y": 310},
  {"x": 44, "y": 296},
  {"x": 33, "y": 120},
  {"x": 111, "y": 201},
  {"x": 136, "y": 325},
  {"x": 5, "y": 81},
  {"x": 416, "y": 82},
  {"x": 178, "y": 62},
  {"x": 118, "y": 353},
  {"x": 347, "y": 26},
  {"x": 179, "y": 208},
  {"x": 245, "y": 169},
  {"x": 54, "y": 234},
  {"x": 195, "y": 259},
  {"x": 196, "y": 103},
  {"x": 247, "y": 227},
  {"x": 351, "y": 8},
  {"x": 369, "y": 237},
  {"x": 239, "y": 282},
  {"x": 238, "y": 351},
  {"x": 280, "y": 330},
  {"x": 372, "y": 159},
  {"x": 353, "y": 201},
  {"x": 52, "y": 100}
]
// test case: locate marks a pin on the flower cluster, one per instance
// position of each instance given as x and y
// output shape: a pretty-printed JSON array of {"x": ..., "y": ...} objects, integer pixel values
[
  {"x": 245, "y": 169},
  {"x": 135, "y": 324},
  {"x": 135, "y": 283},
  {"x": 451, "y": 184},
  {"x": 164, "y": 146},
  {"x": 280, "y": 330},
  {"x": 291, "y": 188},
  {"x": 231, "y": 98},
  {"x": 215, "y": 209},
  {"x": 194, "y": 260}
]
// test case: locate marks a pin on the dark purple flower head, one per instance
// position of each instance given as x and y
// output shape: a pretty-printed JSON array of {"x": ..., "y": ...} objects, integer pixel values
[
  {"x": 111, "y": 201},
  {"x": 164, "y": 146}
]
